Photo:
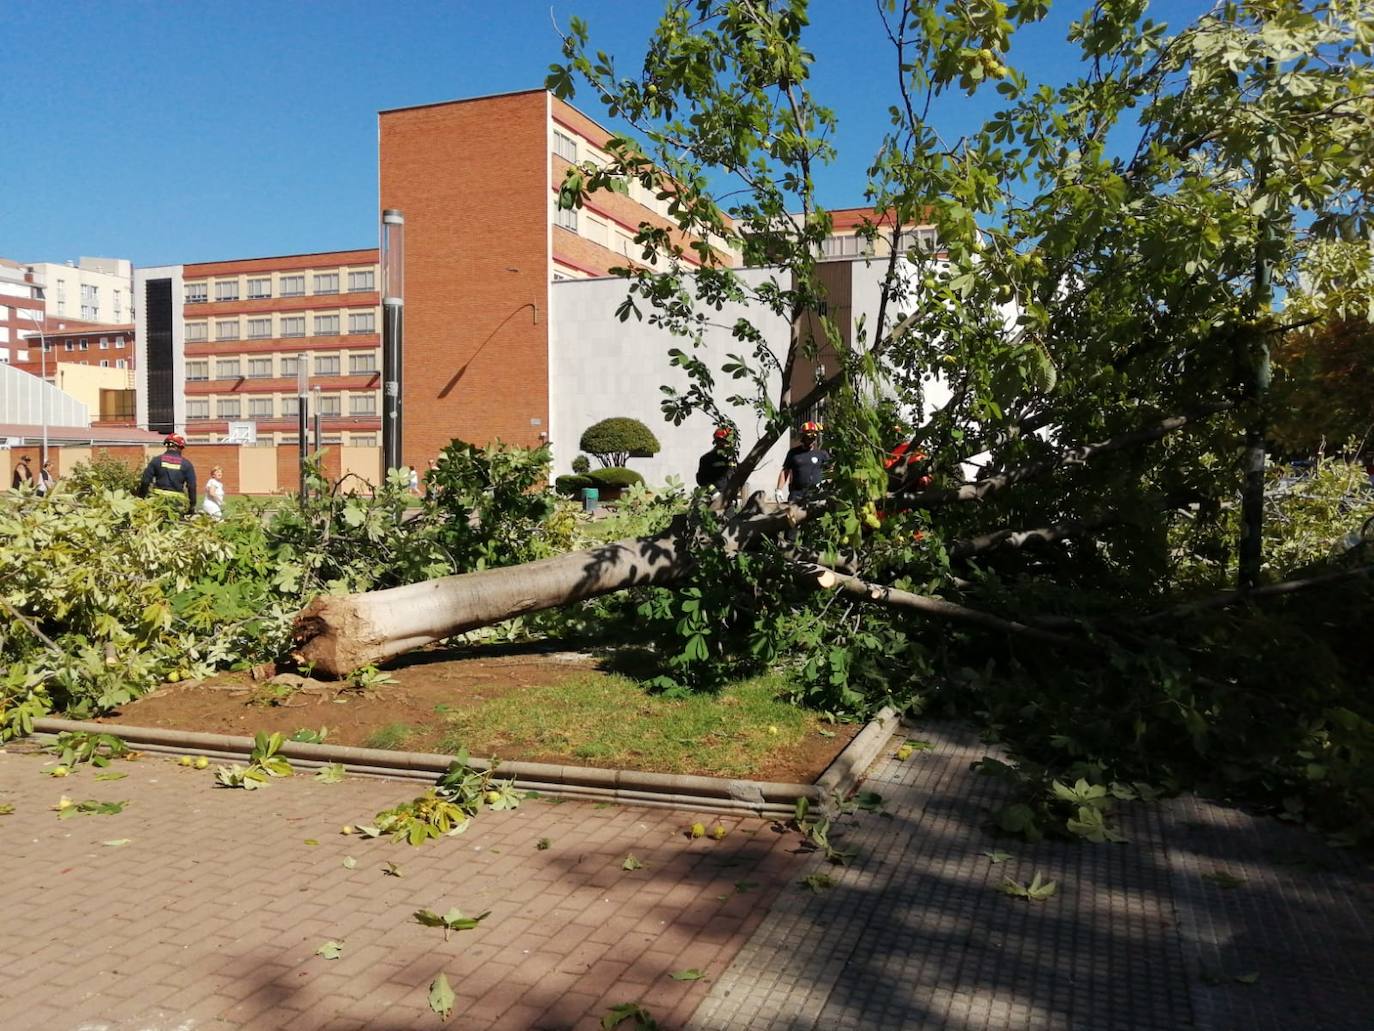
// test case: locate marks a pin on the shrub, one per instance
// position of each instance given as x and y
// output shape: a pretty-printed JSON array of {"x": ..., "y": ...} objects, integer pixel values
[
  {"x": 571, "y": 485},
  {"x": 581, "y": 464},
  {"x": 614, "y": 441},
  {"x": 613, "y": 476}
]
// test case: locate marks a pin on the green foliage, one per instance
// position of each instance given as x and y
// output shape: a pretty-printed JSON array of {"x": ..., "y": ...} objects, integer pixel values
[
  {"x": 446, "y": 808},
  {"x": 581, "y": 464},
  {"x": 572, "y": 485},
  {"x": 614, "y": 476},
  {"x": 75, "y": 747},
  {"x": 614, "y": 441},
  {"x": 453, "y": 920},
  {"x": 264, "y": 763}
]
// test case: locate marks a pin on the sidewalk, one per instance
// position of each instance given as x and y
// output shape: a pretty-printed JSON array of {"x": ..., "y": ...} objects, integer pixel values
[{"x": 211, "y": 914}]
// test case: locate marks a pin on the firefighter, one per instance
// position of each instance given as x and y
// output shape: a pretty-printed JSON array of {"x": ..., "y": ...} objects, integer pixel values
[
  {"x": 170, "y": 475},
  {"x": 804, "y": 467},
  {"x": 716, "y": 465}
]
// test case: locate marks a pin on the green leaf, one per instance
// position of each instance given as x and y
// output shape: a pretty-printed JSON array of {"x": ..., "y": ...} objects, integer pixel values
[
  {"x": 691, "y": 974},
  {"x": 116, "y": 843},
  {"x": 392, "y": 870},
  {"x": 333, "y": 773},
  {"x": 441, "y": 997},
  {"x": 818, "y": 882},
  {"x": 631, "y": 863},
  {"x": 996, "y": 855},
  {"x": 110, "y": 775},
  {"x": 349, "y": 863},
  {"x": 617, "y": 1015},
  {"x": 330, "y": 950},
  {"x": 311, "y": 842},
  {"x": 1247, "y": 978}
]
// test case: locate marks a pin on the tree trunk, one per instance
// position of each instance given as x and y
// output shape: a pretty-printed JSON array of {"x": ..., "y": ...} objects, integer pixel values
[{"x": 337, "y": 634}]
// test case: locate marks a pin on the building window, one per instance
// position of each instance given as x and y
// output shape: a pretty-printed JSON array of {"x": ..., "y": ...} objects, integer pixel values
[
  {"x": 329, "y": 404},
  {"x": 197, "y": 332},
  {"x": 227, "y": 408},
  {"x": 259, "y": 288},
  {"x": 227, "y": 330},
  {"x": 198, "y": 370},
  {"x": 104, "y": 363},
  {"x": 290, "y": 408},
  {"x": 564, "y": 145},
  {"x": 118, "y": 343},
  {"x": 362, "y": 404},
  {"x": 259, "y": 368},
  {"x": 120, "y": 363},
  {"x": 84, "y": 344},
  {"x": 61, "y": 291},
  {"x": 227, "y": 368},
  {"x": 567, "y": 218},
  {"x": 362, "y": 322},
  {"x": 290, "y": 365},
  {"x": 361, "y": 363},
  {"x": 326, "y": 282},
  {"x": 362, "y": 281},
  {"x": 291, "y": 286},
  {"x": 326, "y": 325},
  {"x": 118, "y": 306},
  {"x": 104, "y": 343},
  {"x": 197, "y": 293},
  {"x": 90, "y": 294},
  {"x": 293, "y": 326},
  {"x": 90, "y": 312},
  {"x": 260, "y": 407},
  {"x": 197, "y": 409},
  {"x": 326, "y": 365},
  {"x": 227, "y": 290},
  {"x": 259, "y": 328},
  {"x": 363, "y": 440},
  {"x": 68, "y": 346}
]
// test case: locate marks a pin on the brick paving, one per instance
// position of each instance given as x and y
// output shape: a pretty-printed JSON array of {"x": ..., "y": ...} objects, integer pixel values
[
  {"x": 210, "y": 916},
  {"x": 915, "y": 934}
]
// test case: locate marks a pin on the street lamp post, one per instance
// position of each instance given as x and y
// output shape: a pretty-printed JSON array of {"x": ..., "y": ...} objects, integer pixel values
[
  {"x": 392, "y": 253},
  {"x": 302, "y": 415},
  {"x": 43, "y": 392}
]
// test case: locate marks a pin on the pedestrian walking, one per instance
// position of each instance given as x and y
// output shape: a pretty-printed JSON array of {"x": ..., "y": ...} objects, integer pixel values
[
  {"x": 46, "y": 480},
  {"x": 23, "y": 475},
  {"x": 213, "y": 505}
]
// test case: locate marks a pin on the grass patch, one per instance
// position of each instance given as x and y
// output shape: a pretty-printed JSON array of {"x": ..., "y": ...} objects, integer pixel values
[
  {"x": 392, "y": 737},
  {"x": 613, "y": 721}
]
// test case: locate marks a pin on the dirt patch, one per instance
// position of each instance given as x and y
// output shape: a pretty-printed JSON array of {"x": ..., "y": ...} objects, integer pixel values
[{"x": 413, "y": 714}]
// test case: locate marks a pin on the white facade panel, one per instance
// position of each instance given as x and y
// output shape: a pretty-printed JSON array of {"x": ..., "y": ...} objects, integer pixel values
[{"x": 600, "y": 367}]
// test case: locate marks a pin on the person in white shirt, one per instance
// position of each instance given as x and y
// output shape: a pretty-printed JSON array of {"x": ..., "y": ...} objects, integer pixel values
[{"x": 213, "y": 505}]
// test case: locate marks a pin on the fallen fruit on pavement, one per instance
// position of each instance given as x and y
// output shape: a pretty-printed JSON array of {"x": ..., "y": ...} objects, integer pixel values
[
  {"x": 698, "y": 830},
  {"x": 185, "y": 760},
  {"x": 718, "y": 831},
  {"x": 493, "y": 797},
  {"x": 58, "y": 771},
  {"x": 346, "y": 829},
  {"x": 904, "y": 753},
  {"x": 202, "y": 762}
]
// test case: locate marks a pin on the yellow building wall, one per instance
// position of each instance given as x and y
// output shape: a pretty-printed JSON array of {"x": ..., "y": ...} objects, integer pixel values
[{"x": 257, "y": 470}]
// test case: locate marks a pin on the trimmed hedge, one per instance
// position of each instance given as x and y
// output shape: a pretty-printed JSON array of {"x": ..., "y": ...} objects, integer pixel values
[
  {"x": 616, "y": 440},
  {"x": 572, "y": 485},
  {"x": 581, "y": 464},
  {"x": 612, "y": 476}
]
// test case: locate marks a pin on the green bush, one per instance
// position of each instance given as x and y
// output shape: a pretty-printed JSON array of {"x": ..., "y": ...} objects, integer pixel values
[
  {"x": 571, "y": 485},
  {"x": 613, "y": 476},
  {"x": 581, "y": 464},
  {"x": 614, "y": 441}
]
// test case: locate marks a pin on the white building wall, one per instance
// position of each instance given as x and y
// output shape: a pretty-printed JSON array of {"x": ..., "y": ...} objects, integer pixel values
[
  {"x": 601, "y": 367},
  {"x": 110, "y": 278},
  {"x": 26, "y": 400}
]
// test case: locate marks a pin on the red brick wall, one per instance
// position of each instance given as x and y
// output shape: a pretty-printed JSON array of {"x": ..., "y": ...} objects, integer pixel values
[{"x": 472, "y": 179}]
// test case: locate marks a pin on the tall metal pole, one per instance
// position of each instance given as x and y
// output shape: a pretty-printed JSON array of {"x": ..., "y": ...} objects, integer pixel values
[
  {"x": 302, "y": 420},
  {"x": 392, "y": 254},
  {"x": 318, "y": 411}
]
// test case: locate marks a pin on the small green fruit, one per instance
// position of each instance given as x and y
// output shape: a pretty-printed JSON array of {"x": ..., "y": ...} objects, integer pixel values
[
  {"x": 698, "y": 830},
  {"x": 718, "y": 831},
  {"x": 185, "y": 760},
  {"x": 202, "y": 762},
  {"x": 493, "y": 797}
]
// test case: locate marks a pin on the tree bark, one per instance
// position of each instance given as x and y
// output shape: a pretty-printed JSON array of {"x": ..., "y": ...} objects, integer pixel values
[
  {"x": 1010, "y": 538},
  {"x": 336, "y": 634}
]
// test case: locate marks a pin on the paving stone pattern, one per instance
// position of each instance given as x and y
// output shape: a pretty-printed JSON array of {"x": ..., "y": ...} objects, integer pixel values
[
  {"x": 210, "y": 916},
  {"x": 915, "y": 934}
]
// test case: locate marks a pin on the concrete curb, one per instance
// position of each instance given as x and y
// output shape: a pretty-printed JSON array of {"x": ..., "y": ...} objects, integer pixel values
[{"x": 630, "y": 787}]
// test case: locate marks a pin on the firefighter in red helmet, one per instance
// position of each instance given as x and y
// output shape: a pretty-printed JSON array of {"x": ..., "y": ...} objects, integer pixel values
[
  {"x": 716, "y": 465},
  {"x": 804, "y": 467},
  {"x": 170, "y": 474}
]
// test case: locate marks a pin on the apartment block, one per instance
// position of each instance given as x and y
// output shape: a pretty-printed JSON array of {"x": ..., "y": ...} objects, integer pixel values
[
  {"x": 88, "y": 289},
  {"x": 225, "y": 342},
  {"x": 22, "y": 311},
  {"x": 477, "y": 181}
]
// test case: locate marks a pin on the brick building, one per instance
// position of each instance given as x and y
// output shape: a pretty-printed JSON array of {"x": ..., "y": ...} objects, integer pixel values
[
  {"x": 22, "y": 310},
  {"x": 477, "y": 181},
  {"x": 224, "y": 342}
]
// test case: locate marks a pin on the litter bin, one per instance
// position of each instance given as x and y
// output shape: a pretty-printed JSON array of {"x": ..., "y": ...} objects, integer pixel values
[{"x": 591, "y": 498}]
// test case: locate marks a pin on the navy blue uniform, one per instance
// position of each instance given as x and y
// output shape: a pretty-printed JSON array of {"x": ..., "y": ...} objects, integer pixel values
[
  {"x": 170, "y": 473},
  {"x": 806, "y": 468}
]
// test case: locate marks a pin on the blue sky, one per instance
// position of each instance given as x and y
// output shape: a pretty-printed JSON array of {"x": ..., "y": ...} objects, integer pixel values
[{"x": 180, "y": 132}]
